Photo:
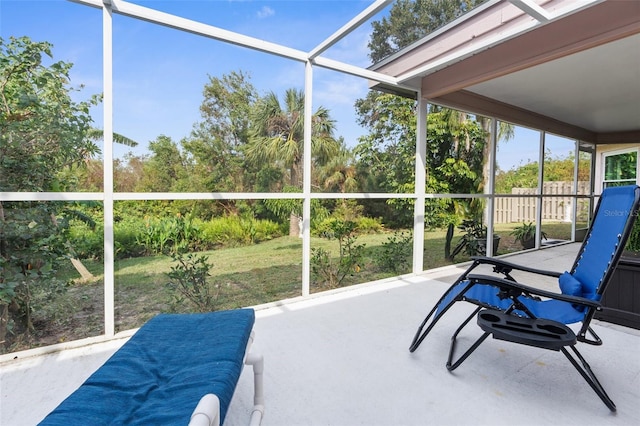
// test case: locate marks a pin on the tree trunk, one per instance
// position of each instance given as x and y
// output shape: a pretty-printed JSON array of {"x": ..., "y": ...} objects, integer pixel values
[
  {"x": 485, "y": 123},
  {"x": 4, "y": 322},
  {"x": 3, "y": 243},
  {"x": 82, "y": 270},
  {"x": 295, "y": 225}
]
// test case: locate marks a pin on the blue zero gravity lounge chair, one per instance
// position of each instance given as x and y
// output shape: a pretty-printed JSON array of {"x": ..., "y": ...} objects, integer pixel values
[
  {"x": 177, "y": 369},
  {"x": 514, "y": 312}
]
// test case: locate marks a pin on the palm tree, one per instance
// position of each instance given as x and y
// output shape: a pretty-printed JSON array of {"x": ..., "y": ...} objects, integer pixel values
[
  {"x": 339, "y": 173},
  {"x": 278, "y": 134},
  {"x": 277, "y": 137},
  {"x": 98, "y": 134}
]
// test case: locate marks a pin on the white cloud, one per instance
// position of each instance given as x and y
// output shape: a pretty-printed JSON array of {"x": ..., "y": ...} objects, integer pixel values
[
  {"x": 335, "y": 88},
  {"x": 353, "y": 49},
  {"x": 265, "y": 12}
]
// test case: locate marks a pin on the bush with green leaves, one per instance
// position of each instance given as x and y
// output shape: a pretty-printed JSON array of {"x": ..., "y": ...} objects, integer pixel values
[
  {"x": 369, "y": 225},
  {"x": 43, "y": 132},
  {"x": 126, "y": 236},
  {"x": 87, "y": 241},
  {"x": 230, "y": 231},
  {"x": 189, "y": 283},
  {"x": 33, "y": 247},
  {"x": 168, "y": 234},
  {"x": 633, "y": 243},
  {"x": 329, "y": 271},
  {"x": 397, "y": 253}
]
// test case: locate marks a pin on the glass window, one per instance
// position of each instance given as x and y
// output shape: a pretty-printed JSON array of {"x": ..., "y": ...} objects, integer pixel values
[{"x": 620, "y": 169}]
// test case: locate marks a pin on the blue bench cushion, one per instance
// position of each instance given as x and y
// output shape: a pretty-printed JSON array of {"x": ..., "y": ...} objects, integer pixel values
[{"x": 160, "y": 374}]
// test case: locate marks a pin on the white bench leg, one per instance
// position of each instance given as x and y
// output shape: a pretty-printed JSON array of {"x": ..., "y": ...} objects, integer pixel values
[
  {"x": 257, "y": 362},
  {"x": 207, "y": 412}
]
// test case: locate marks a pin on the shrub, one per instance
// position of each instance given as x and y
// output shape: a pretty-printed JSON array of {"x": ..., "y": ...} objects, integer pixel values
[
  {"x": 226, "y": 231},
  {"x": 397, "y": 252},
  {"x": 330, "y": 272},
  {"x": 266, "y": 230},
  {"x": 189, "y": 282},
  {"x": 87, "y": 242},
  {"x": 347, "y": 212},
  {"x": 237, "y": 231},
  {"x": 633, "y": 243},
  {"x": 34, "y": 246},
  {"x": 126, "y": 238},
  {"x": 169, "y": 234},
  {"x": 324, "y": 227},
  {"x": 369, "y": 225}
]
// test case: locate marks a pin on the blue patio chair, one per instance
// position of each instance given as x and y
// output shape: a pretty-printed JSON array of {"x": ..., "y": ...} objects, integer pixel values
[{"x": 523, "y": 314}]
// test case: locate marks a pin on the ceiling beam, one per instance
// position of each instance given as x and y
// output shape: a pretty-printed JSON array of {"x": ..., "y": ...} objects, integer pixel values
[
  {"x": 481, "y": 105},
  {"x": 532, "y": 9}
]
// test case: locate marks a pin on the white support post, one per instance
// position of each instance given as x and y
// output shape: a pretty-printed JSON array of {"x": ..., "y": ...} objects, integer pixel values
[
  {"x": 420, "y": 183},
  {"x": 109, "y": 243},
  {"x": 306, "y": 182},
  {"x": 490, "y": 188},
  {"x": 543, "y": 136},
  {"x": 574, "y": 200}
]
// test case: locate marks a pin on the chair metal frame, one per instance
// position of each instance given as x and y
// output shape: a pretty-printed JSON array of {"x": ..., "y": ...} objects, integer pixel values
[{"x": 509, "y": 291}]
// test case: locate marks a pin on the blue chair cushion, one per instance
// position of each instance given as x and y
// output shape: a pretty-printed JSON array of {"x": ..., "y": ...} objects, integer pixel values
[
  {"x": 489, "y": 296},
  {"x": 569, "y": 285},
  {"x": 614, "y": 208},
  {"x": 160, "y": 374}
]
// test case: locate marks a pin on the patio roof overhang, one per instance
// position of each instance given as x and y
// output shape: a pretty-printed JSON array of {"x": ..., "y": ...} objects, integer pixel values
[{"x": 566, "y": 67}]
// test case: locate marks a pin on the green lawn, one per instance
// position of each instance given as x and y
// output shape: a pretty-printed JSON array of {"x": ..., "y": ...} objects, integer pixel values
[{"x": 241, "y": 276}]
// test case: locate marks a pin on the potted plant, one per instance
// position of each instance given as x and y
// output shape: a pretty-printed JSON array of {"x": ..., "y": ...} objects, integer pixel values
[
  {"x": 474, "y": 239},
  {"x": 526, "y": 234}
]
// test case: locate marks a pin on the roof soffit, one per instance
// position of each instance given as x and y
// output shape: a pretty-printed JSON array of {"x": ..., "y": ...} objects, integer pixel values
[{"x": 593, "y": 27}]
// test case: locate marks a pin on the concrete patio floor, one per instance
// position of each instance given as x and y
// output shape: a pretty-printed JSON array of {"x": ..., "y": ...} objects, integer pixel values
[{"x": 341, "y": 358}]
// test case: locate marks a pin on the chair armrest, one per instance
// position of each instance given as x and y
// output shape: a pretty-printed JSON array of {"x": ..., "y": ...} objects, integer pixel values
[
  {"x": 502, "y": 266},
  {"x": 511, "y": 285}
]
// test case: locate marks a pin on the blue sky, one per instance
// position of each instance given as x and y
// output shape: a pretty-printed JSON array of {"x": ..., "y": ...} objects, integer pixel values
[{"x": 159, "y": 73}]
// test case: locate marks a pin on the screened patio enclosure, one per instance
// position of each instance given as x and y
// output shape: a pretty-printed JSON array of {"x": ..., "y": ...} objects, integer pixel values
[{"x": 564, "y": 76}]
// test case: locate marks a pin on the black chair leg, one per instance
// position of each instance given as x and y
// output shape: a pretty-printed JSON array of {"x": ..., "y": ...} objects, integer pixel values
[
  {"x": 422, "y": 332},
  {"x": 588, "y": 375},
  {"x": 452, "y": 365}
]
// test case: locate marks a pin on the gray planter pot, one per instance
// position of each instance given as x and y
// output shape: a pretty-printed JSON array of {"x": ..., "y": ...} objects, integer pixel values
[
  {"x": 529, "y": 243},
  {"x": 482, "y": 244}
]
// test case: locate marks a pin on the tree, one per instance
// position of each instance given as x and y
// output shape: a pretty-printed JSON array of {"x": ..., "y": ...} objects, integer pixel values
[
  {"x": 339, "y": 173},
  {"x": 386, "y": 155},
  {"x": 217, "y": 143},
  {"x": 409, "y": 21},
  {"x": 277, "y": 138},
  {"x": 128, "y": 172},
  {"x": 42, "y": 130},
  {"x": 454, "y": 143},
  {"x": 165, "y": 168},
  {"x": 560, "y": 168},
  {"x": 42, "y": 133},
  {"x": 278, "y": 134}
]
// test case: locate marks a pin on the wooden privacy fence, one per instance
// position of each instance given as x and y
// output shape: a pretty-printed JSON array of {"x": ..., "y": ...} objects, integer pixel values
[{"x": 523, "y": 209}]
